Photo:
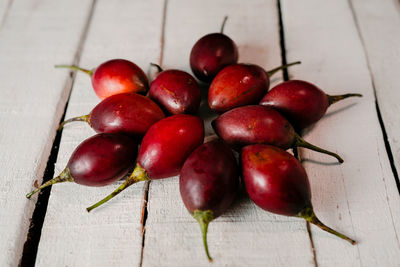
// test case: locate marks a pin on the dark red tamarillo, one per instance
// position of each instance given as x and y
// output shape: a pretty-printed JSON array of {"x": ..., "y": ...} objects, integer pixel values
[
  {"x": 115, "y": 76},
  {"x": 127, "y": 113},
  {"x": 99, "y": 160},
  {"x": 211, "y": 53},
  {"x": 208, "y": 183},
  {"x": 163, "y": 150},
  {"x": 260, "y": 125},
  {"x": 176, "y": 91},
  {"x": 302, "y": 103},
  {"x": 276, "y": 182},
  {"x": 239, "y": 85}
]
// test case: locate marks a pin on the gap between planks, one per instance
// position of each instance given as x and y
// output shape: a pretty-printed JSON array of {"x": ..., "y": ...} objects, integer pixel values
[
  {"x": 5, "y": 13},
  {"x": 381, "y": 123},
  {"x": 286, "y": 78},
  {"x": 31, "y": 245}
]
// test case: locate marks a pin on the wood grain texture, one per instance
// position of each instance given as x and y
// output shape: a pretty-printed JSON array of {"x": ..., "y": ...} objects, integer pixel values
[
  {"x": 359, "y": 197},
  {"x": 110, "y": 235},
  {"x": 32, "y": 98},
  {"x": 245, "y": 235},
  {"x": 379, "y": 23}
]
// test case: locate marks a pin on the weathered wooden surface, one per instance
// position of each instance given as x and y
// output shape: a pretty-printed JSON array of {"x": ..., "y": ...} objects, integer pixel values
[
  {"x": 345, "y": 46},
  {"x": 110, "y": 235},
  {"x": 32, "y": 97},
  {"x": 360, "y": 196},
  {"x": 378, "y": 27}
]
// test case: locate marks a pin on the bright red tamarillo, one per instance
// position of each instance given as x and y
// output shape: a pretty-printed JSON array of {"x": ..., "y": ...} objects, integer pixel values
[
  {"x": 301, "y": 102},
  {"x": 276, "y": 182},
  {"x": 260, "y": 125},
  {"x": 99, "y": 160},
  {"x": 127, "y": 113},
  {"x": 238, "y": 85},
  {"x": 176, "y": 91},
  {"x": 115, "y": 76},
  {"x": 208, "y": 183},
  {"x": 163, "y": 150}
]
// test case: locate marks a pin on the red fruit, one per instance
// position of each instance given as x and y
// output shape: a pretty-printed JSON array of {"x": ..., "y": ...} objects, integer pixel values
[
  {"x": 212, "y": 53},
  {"x": 99, "y": 160},
  {"x": 176, "y": 91},
  {"x": 115, "y": 76},
  {"x": 260, "y": 125},
  {"x": 163, "y": 150},
  {"x": 239, "y": 85},
  {"x": 208, "y": 183},
  {"x": 302, "y": 103},
  {"x": 277, "y": 183},
  {"x": 127, "y": 113}
]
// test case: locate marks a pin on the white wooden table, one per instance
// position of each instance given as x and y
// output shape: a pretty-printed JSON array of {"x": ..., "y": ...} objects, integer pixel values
[{"x": 345, "y": 46}]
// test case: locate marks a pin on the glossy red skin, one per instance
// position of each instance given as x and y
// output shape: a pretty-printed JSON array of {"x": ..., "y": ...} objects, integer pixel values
[
  {"x": 176, "y": 91},
  {"x": 209, "y": 178},
  {"x": 211, "y": 54},
  {"x": 168, "y": 143},
  {"x": 254, "y": 125},
  {"x": 237, "y": 85},
  {"x": 302, "y": 103},
  {"x": 118, "y": 76},
  {"x": 102, "y": 159},
  {"x": 127, "y": 113},
  {"x": 275, "y": 180}
]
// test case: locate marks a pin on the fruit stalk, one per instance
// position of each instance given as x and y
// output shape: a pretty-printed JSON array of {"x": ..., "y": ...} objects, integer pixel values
[
  {"x": 159, "y": 69},
  {"x": 300, "y": 142},
  {"x": 138, "y": 175},
  {"x": 204, "y": 218},
  {"x": 223, "y": 24},
  {"x": 309, "y": 215},
  {"x": 65, "y": 176},
  {"x": 74, "y": 67},
  {"x": 275, "y": 70},
  {"x": 335, "y": 98},
  {"x": 85, "y": 118}
]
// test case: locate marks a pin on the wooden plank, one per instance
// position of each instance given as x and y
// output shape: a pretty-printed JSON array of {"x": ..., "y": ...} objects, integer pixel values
[
  {"x": 111, "y": 235},
  {"x": 359, "y": 197},
  {"x": 32, "y": 98},
  {"x": 379, "y": 22},
  {"x": 245, "y": 235}
]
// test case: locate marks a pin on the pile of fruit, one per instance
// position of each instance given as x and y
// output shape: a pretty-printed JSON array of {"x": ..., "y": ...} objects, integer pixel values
[{"x": 257, "y": 123}]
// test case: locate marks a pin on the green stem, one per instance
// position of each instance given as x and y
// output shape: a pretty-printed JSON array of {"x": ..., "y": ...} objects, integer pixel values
[
  {"x": 300, "y": 142},
  {"x": 159, "y": 69},
  {"x": 65, "y": 176},
  {"x": 309, "y": 215},
  {"x": 204, "y": 218},
  {"x": 80, "y": 118},
  {"x": 223, "y": 24},
  {"x": 74, "y": 67},
  {"x": 335, "y": 98},
  {"x": 273, "y": 71},
  {"x": 138, "y": 175}
]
